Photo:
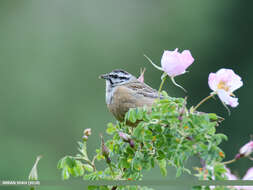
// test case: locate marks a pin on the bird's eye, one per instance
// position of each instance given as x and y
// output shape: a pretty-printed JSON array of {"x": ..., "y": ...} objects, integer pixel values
[
  {"x": 123, "y": 78},
  {"x": 113, "y": 76}
]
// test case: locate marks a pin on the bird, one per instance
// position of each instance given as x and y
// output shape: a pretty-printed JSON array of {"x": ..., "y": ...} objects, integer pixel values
[{"x": 125, "y": 91}]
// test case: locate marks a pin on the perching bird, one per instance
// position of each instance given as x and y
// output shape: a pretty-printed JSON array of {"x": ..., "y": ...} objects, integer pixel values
[{"x": 125, "y": 91}]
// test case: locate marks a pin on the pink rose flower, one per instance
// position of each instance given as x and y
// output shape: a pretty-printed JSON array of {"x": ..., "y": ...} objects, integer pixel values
[
  {"x": 224, "y": 82},
  {"x": 175, "y": 63}
]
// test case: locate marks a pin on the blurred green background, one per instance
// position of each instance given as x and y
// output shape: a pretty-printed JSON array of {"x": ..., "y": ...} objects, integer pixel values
[{"x": 52, "y": 52}]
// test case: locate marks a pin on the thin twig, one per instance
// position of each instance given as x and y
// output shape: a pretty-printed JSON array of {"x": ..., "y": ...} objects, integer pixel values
[
  {"x": 202, "y": 101},
  {"x": 229, "y": 161}
]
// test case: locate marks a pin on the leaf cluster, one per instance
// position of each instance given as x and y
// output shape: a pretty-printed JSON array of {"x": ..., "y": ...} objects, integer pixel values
[{"x": 168, "y": 134}]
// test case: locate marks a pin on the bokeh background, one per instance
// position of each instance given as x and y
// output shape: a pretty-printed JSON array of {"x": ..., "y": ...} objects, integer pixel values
[{"x": 52, "y": 52}]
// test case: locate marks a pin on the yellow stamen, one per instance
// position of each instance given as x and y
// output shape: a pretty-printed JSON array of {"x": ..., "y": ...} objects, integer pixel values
[{"x": 222, "y": 85}]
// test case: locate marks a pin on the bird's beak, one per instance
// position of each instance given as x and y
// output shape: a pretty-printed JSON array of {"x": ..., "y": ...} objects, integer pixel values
[{"x": 104, "y": 76}]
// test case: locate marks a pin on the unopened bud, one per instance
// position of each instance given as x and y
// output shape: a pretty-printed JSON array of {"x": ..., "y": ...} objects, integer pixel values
[
  {"x": 108, "y": 160},
  {"x": 237, "y": 156},
  {"x": 124, "y": 136},
  {"x": 105, "y": 150},
  {"x": 141, "y": 77},
  {"x": 247, "y": 149},
  {"x": 131, "y": 143},
  {"x": 180, "y": 117},
  {"x": 85, "y": 138}
]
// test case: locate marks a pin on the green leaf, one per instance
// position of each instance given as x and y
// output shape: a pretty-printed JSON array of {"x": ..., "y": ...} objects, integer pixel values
[
  {"x": 179, "y": 172},
  {"x": 162, "y": 165},
  {"x": 139, "y": 113},
  {"x": 132, "y": 115},
  {"x": 161, "y": 154},
  {"x": 213, "y": 116},
  {"x": 93, "y": 187},
  {"x": 138, "y": 131},
  {"x": 79, "y": 168},
  {"x": 104, "y": 188},
  {"x": 88, "y": 167},
  {"x": 137, "y": 165},
  {"x": 65, "y": 173},
  {"x": 125, "y": 163},
  {"x": 70, "y": 161},
  {"x": 152, "y": 162},
  {"x": 148, "y": 136},
  {"x": 164, "y": 93},
  {"x": 110, "y": 129},
  {"x": 60, "y": 164}
]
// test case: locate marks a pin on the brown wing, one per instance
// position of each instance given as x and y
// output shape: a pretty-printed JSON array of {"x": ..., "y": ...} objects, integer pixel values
[
  {"x": 142, "y": 89},
  {"x": 131, "y": 95}
]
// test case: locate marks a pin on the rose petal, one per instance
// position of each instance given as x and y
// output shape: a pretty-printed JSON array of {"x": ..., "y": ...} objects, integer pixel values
[
  {"x": 235, "y": 83},
  {"x": 186, "y": 58},
  {"x": 212, "y": 82},
  {"x": 227, "y": 99}
]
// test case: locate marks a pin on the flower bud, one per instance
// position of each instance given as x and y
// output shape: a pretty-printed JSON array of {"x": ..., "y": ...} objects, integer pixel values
[
  {"x": 141, "y": 77},
  {"x": 247, "y": 149},
  {"x": 124, "y": 136},
  {"x": 131, "y": 143},
  {"x": 105, "y": 150},
  {"x": 85, "y": 138},
  {"x": 175, "y": 63}
]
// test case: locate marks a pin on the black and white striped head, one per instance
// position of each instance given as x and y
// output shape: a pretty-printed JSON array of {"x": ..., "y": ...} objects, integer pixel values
[{"x": 117, "y": 77}]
